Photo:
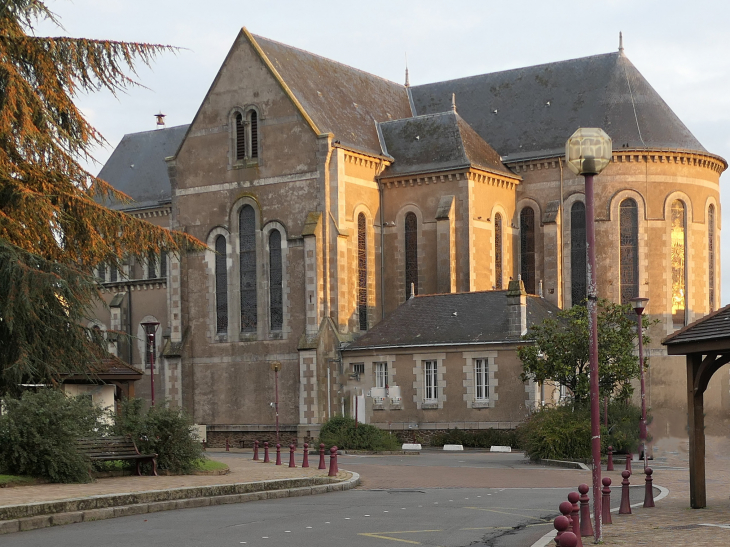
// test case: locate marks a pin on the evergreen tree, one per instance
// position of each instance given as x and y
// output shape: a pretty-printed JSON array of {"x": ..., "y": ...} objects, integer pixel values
[{"x": 54, "y": 225}]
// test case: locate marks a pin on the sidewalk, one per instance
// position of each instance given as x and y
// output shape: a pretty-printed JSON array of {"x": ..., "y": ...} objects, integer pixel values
[
  {"x": 30, "y": 507},
  {"x": 672, "y": 522}
]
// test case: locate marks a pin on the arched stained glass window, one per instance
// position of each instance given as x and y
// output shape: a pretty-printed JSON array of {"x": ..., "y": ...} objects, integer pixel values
[
  {"x": 629, "y": 249},
  {"x": 578, "y": 277},
  {"x": 498, "y": 251},
  {"x": 411, "y": 237},
  {"x": 276, "y": 276},
  {"x": 527, "y": 249},
  {"x": 711, "y": 255},
  {"x": 678, "y": 260},
  {"x": 240, "y": 137},
  {"x": 253, "y": 120},
  {"x": 221, "y": 286},
  {"x": 247, "y": 252},
  {"x": 362, "y": 272}
]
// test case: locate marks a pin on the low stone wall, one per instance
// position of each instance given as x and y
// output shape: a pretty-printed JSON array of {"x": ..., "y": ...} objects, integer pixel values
[
  {"x": 217, "y": 439},
  {"x": 425, "y": 437}
]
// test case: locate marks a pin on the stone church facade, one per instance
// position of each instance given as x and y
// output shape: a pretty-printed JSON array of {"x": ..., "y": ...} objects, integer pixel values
[{"x": 328, "y": 196}]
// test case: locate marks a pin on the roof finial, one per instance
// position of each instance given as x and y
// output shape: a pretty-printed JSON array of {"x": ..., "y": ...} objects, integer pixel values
[
  {"x": 407, "y": 82},
  {"x": 453, "y": 102},
  {"x": 160, "y": 119},
  {"x": 620, "y": 42}
]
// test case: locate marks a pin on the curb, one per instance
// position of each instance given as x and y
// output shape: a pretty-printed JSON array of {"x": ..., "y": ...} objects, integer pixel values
[
  {"x": 545, "y": 540},
  {"x": 378, "y": 453},
  {"x": 70, "y": 511},
  {"x": 563, "y": 463}
]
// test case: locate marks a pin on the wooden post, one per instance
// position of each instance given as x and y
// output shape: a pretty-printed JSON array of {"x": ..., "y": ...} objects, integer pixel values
[{"x": 696, "y": 423}]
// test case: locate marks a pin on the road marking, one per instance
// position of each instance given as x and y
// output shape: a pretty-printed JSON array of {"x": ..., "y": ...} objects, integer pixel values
[
  {"x": 382, "y": 535},
  {"x": 504, "y": 513}
]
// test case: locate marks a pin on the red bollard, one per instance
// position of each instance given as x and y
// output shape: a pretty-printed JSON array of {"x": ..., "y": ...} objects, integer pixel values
[
  {"x": 256, "y": 450},
  {"x": 586, "y": 529},
  {"x": 305, "y": 458},
  {"x": 566, "y": 508},
  {"x": 569, "y": 539},
  {"x": 322, "y": 465},
  {"x": 562, "y": 525},
  {"x": 609, "y": 465},
  {"x": 625, "y": 508},
  {"x": 629, "y": 457},
  {"x": 291, "y": 455},
  {"x": 606, "y": 501},
  {"x": 574, "y": 498},
  {"x": 278, "y": 454},
  {"x": 228, "y": 446},
  {"x": 333, "y": 462},
  {"x": 649, "y": 492},
  {"x": 266, "y": 452}
]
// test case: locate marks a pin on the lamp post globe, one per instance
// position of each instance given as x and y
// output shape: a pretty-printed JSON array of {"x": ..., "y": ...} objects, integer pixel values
[{"x": 588, "y": 151}]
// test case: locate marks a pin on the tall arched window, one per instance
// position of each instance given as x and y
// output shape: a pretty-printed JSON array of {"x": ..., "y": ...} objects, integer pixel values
[
  {"x": 498, "y": 251},
  {"x": 240, "y": 137},
  {"x": 151, "y": 265},
  {"x": 276, "y": 288},
  {"x": 578, "y": 282},
  {"x": 711, "y": 255},
  {"x": 629, "y": 249},
  {"x": 527, "y": 249},
  {"x": 253, "y": 125},
  {"x": 678, "y": 260},
  {"x": 411, "y": 233},
  {"x": 221, "y": 286},
  {"x": 247, "y": 252},
  {"x": 362, "y": 272}
]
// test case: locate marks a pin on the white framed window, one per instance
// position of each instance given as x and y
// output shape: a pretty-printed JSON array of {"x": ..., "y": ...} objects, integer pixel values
[
  {"x": 381, "y": 375},
  {"x": 430, "y": 379},
  {"x": 481, "y": 379}
]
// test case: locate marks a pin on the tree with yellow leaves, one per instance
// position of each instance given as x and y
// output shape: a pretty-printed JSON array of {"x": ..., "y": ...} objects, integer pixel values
[{"x": 54, "y": 227}]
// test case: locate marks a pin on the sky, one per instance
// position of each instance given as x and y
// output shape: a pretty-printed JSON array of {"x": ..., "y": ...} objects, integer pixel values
[{"x": 682, "y": 48}]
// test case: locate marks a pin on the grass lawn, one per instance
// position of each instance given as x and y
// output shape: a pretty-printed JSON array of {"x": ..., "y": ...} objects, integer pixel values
[
  {"x": 211, "y": 465},
  {"x": 15, "y": 480}
]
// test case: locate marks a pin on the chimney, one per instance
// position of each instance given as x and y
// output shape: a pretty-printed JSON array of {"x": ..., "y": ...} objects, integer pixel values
[{"x": 516, "y": 309}]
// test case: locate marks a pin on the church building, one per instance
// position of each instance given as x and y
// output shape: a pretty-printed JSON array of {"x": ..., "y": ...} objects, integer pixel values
[{"x": 388, "y": 244}]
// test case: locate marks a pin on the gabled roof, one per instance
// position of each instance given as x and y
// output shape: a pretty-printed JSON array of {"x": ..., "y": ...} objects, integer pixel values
[
  {"x": 137, "y": 166},
  {"x": 437, "y": 142},
  {"x": 451, "y": 319},
  {"x": 109, "y": 368},
  {"x": 339, "y": 99},
  {"x": 714, "y": 327},
  {"x": 531, "y": 112}
]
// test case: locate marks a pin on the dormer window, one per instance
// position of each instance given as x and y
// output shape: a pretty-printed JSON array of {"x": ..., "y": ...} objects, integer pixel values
[{"x": 244, "y": 137}]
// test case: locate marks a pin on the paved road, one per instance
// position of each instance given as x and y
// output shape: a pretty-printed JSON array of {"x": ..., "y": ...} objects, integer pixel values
[{"x": 439, "y": 499}]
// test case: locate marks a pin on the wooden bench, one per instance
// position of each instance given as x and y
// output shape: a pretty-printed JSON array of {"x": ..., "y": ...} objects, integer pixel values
[{"x": 116, "y": 447}]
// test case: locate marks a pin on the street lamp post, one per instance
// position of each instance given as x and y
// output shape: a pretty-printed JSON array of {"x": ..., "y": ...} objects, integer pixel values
[
  {"x": 587, "y": 152},
  {"x": 150, "y": 329},
  {"x": 639, "y": 304},
  {"x": 276, "y": 367}
]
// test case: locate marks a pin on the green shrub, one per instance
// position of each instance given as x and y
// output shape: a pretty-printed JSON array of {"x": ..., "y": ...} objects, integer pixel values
[
  {"x": 38, "y": 435},
  {"x": 341, "y": 432},
  {"x": 479, "y": 439},
  {"x": 164, "y": 430},
  {"x": 557, "y": 433},
  {"x": 623, "y": 426}
]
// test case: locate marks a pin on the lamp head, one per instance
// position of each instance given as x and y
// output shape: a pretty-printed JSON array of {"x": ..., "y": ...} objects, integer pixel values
[
  {"x": 639, "y": 304},
  {"x": 588, "y": 151}
]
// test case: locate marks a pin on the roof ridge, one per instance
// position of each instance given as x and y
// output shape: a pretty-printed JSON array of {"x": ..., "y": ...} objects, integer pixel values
[
  {"x": 289, "y": 46},
  {"x": 520, "y": 68},
  {"x": 419, "y": 116},
  {"x": 156, "y": 130}
]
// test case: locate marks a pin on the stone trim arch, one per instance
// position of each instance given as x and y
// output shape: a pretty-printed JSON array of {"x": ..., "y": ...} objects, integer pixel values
[
  {"x": 372, "y": 248},
  {"x": 565, "y": 216},
  {"x": 611, "y": 235},
  {"x": 507, "y": 232},
  {"x": 537, "y": 243},
  {"x": 251, "y": 137},
  {"x": 690, "y": 297},
  {"x": 209, "y": 259},
  {"x": 264, "y": 282},
  {"x": 400, "y": 217},
  {"x": 234, "y": 310}
]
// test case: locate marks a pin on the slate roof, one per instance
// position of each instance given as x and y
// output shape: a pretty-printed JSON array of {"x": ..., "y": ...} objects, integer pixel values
[
  {"x": 108, "y": 369},
  {"x": 437, "y": 142},
  {"x": 340, "y": 99},
  {"x": 137, "y": 166},
  {"x": 450, "y": 319},
  {"x": 715, "y": 326},
  {"x": 510, "y": 109}
]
